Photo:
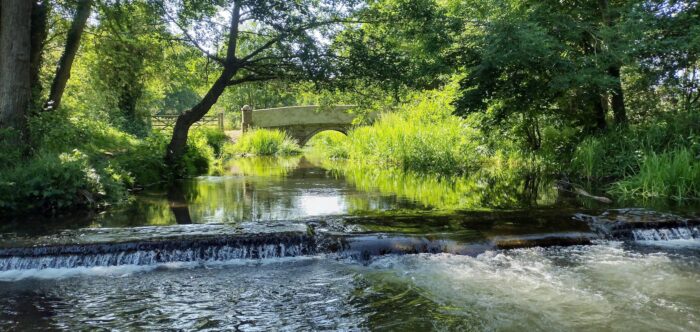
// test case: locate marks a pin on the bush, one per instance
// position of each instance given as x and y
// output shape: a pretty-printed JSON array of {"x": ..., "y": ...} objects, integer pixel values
[
  {"x": 79, "y": 162},
  {"x": 51, "y": 182},
  {"x": 264, "y": 142},
  {"x": 214, "y": 137},
  {"x": 10, "y": 155}
]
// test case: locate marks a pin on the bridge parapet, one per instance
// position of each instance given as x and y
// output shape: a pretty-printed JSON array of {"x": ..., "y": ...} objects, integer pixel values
[{"x": 300, "y": 122}]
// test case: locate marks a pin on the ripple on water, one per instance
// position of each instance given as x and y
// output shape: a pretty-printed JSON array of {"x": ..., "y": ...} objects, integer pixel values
[{"x": 601, "y": 287}]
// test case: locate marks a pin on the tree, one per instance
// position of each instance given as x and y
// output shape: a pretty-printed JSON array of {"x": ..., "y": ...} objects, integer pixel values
[
  {"x": 40, "y": 14},
  {"x": 128, "y": 41},
  {"x": 65, "y": 64},
  {"x": 15, "y": 63},
  {"x": 285, "y": 40}
]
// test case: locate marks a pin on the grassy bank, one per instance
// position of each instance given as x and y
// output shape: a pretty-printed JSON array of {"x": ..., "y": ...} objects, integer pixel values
[
  {"x": 657, "y": 159},
  {"x": 660, "y": 159},
  {"x": 82, "y": 163}
]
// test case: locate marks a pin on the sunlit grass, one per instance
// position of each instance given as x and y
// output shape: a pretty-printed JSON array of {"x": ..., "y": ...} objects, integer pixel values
[
  {"x": 264, "y": 142},
  {"x": 674, "y": 175}
]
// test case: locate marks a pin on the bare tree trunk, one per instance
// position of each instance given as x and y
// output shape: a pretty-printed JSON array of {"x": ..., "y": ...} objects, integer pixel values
[
  {"x": 66, "y": 62},
  {"x": 40, "y": 11},
  {"x": 618, "y": 98},
  {"x": 599, "y": 111},
  {"x": 15, "y": 49}
]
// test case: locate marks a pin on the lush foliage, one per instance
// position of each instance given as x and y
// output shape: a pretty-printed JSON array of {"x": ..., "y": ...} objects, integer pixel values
[
  {"x": 657, "y": 159},
  {"x": 264, "y": 142},
  {"x": 88, "y": 163},
  {"x": 604, "y": 93},
  {"x": 422, "y": 135}
]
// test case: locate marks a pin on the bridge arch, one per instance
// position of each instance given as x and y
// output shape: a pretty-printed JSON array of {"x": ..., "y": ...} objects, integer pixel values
[
  {"x": 300, "y": 122},
  {"x": 342, "y": 130}
]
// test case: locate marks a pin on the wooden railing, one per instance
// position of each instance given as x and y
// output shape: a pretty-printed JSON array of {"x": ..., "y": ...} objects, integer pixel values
[{"x": 164, "y": 122}]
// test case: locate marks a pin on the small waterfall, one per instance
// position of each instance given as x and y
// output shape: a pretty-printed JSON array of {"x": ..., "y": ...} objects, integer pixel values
[
  {"x": 666, "y": 234},
  {"x": 156, "y": 252},
  {"x": 220, "y": 248}
]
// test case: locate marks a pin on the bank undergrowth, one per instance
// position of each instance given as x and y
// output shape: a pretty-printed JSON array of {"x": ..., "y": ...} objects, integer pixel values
[
  {"x": 77, "y": 162},
  {"x": 659, "y": 159},
  {"x": 656, "y": 159}
]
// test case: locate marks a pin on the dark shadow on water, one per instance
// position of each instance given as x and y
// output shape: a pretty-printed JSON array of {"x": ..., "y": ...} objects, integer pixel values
[{"x": 178, "y": 205}]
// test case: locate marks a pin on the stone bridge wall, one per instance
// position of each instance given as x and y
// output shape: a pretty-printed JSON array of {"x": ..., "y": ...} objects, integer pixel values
[{"x": 300, "y": 122}]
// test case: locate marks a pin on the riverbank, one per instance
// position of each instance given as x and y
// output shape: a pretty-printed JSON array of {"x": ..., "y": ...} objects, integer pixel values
[
  {"x": 287, "y": 237},
  {"x": 78, "y": 164}
]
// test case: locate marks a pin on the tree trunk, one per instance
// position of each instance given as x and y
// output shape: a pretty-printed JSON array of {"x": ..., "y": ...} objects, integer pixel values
[
  {"x": 599, "y": 111},
  {"x": 66, "y": 62},
  {"x": 618, "y": 97},
  {"x": 39, "y": 17},
  {"x": 178, "y": 143},
  {"x": 15, "y": 49}
]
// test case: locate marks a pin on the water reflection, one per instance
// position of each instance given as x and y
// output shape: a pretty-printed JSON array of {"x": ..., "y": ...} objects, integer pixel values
[
  {"x": 505, "y": 189},
  {"x": 255, "y": 189},
  {"x": 269, "y": 189}
]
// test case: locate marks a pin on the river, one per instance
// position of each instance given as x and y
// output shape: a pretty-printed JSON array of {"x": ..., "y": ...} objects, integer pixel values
[{"x": 299, "y": 244}]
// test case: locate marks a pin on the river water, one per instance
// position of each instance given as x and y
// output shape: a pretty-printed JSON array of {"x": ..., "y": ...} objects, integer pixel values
[{"x": 293, "y": 245}]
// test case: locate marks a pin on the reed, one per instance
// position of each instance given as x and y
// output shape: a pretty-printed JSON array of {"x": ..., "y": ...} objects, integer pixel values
[
  {"x": 674, "y": 175},
  {"x": 264, "y": 142}
]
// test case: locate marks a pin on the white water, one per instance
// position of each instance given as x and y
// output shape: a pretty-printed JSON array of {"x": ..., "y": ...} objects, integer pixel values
[
  {"x": 151, "y": 257},
  {"x": 666, "y": 234},
  {"x": 594, "y": 288},
  {"x": 123, "y": 271},
  {"x": 604, "y": 287}
]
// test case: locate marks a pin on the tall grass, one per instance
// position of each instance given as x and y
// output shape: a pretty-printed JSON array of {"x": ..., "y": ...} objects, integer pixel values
[
  {"x": 330, "y": 144},
  {"x": 422, "y": 135},
  {"x": 655, "y": 160},
  {"x": 264, "y": 142},
  {"x": 674, "y": 175}
]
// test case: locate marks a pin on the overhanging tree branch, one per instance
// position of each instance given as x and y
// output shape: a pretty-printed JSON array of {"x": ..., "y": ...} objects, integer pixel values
[{"x": 251, "y": 78}]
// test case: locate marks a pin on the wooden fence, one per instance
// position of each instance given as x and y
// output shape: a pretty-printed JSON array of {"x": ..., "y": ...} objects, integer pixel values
[{"x": 164, "y": 122}]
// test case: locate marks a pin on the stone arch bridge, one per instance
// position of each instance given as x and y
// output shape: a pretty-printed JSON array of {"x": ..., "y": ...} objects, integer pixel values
[{"x": 300, "y": 122}]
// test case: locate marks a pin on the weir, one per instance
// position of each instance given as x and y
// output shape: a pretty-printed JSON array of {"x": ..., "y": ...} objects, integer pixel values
[{"x": 214, "y": 245}]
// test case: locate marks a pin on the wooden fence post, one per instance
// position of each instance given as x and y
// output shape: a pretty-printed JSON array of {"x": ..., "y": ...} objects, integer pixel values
[{"x": 221, "y": 121}]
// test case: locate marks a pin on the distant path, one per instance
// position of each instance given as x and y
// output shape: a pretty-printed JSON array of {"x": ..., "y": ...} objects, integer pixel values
[{"x": 233, "y": 135}]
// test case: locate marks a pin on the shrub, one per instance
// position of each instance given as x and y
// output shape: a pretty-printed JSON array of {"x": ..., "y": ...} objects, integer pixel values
[
  {"x": 79, "y": 162},
  {"x": 10, "y": 155},
  {"x": 214, "y": 137},
  {"x": 51, "y": 182},
  {"x": 264, "y": 142}
]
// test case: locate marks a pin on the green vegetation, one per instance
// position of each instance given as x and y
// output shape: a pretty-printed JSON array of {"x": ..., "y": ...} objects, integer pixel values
[
  {"x": 653, "y": 160},
  {"x": 422, "y": 135},
  {"x": 89, "y": 163},
  {"x": 604, "y": 94},
  {"x": 263, "y": 142}
]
